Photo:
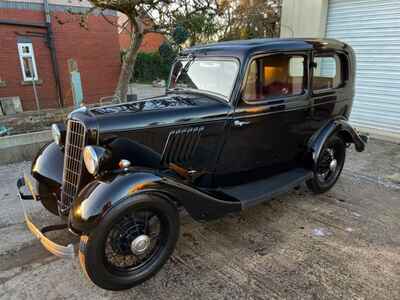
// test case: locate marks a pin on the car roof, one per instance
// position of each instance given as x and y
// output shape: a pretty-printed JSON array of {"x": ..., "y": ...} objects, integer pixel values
[{"x": 243, "y": 48}]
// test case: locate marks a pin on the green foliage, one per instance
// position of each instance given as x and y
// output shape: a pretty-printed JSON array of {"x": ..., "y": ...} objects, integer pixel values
[
  {"x": 250, "y": 19},
  {"x": 153, "y": 66},
  {"x": 147, "y": 67},
  {"x": 180, "y": 34},
  {"x": 198, "y": 26},
  {"x": 167, "y": 53}
]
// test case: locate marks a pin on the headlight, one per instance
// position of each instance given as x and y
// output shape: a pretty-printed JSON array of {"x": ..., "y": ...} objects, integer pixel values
[
  {"x": 93, "y": 157},
  {"x": 56, "y": 134}
]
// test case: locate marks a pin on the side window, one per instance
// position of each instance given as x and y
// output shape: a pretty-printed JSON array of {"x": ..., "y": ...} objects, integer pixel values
[
  {"x": 274, "y": 76},
  {"x": 27, "y": 60},
  {"x": 327, "y": 73}
]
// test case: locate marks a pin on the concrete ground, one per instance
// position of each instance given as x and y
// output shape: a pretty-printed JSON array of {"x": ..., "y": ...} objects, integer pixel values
[
  {"x": 145, "y": 90},
  {"x": 341, "y": 245}
]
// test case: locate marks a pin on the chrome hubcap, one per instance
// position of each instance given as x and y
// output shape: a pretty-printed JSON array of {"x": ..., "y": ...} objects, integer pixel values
[
  {"x": 140, "y": 244},
  {"x": 333, "y": 165}
]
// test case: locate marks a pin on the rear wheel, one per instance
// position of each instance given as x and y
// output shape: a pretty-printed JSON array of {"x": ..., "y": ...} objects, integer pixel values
[
  {"x": 131, "y": 243},
  {"x": 329, "y": 166}
]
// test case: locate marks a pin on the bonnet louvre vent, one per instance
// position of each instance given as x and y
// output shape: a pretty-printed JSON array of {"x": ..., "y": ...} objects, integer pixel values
[{"x": 181, "y": 145}]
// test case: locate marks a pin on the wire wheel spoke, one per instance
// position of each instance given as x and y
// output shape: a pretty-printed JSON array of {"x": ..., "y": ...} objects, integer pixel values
[
  {"x": 138, "y": 225},
  {"x": 325, "y": 170}
]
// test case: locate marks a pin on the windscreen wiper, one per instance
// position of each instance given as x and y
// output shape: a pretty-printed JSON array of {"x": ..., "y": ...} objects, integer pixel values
[{"x": 185, "y": 69}]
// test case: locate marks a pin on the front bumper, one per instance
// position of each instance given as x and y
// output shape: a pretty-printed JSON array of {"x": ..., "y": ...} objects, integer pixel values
[{"x": 56, "y": 249}]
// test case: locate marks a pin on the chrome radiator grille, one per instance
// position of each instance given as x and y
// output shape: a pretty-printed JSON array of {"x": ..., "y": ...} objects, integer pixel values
[{"x": 73, "y": 162}]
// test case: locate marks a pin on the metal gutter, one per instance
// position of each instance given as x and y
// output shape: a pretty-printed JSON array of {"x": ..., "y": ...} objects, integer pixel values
[
  {"x": 53, "y": 53},
  {"x": 50, "y": 44}
]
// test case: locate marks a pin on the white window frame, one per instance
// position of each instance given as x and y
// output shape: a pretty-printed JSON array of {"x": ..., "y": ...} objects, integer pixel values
[{"x": 31, "y": 55}]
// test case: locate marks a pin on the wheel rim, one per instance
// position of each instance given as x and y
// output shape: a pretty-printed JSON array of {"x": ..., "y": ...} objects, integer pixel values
[
  {"x": 135, "y": 240},
  {"x": 329, "y": 164}
]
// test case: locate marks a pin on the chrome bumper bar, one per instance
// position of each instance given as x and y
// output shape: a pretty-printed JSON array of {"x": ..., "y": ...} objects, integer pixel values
[{"x": 56, "y": 249}]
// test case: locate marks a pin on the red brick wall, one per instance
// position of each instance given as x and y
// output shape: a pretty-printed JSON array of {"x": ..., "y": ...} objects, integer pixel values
[
  {"x": 10, "y": 70},
  {"x": 151, "y": 42},
  {"x": 96, "y": 51}
]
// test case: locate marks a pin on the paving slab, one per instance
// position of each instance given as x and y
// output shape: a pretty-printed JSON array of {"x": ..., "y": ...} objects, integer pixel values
[{"x": 344, "y": 244}]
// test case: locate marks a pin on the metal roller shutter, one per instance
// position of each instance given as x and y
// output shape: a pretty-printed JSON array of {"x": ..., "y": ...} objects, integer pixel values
[{"x": 372, "y": 28}]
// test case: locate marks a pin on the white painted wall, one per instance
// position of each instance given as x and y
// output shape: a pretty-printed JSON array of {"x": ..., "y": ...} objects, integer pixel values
[
  {"x": 371, "y": 27},
  {"x": 304, "y": 18}
]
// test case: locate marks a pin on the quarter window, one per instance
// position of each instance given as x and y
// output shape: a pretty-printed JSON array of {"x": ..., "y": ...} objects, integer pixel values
[
  {"x": 27, "y": 60},
  {"x": 275, "y": 76},
  {"x": 327, "y": 73}
]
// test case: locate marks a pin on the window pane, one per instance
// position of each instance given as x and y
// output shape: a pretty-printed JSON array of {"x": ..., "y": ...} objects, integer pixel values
[
  {"x": 327, "y": 73},
  {"x": 27, "y": 60},
  {"x": 215, "y": 76},
  {"x": 250, "y": 92},
  {"x": 26, "y": 50},
  {"x": 296, "y": 67},
  {"x": 28, "y": 67},
  {"x": 275, "y": 76}
]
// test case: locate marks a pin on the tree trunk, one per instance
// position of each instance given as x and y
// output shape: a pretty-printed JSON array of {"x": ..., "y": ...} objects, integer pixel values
[
  {"x": 129, "y": 60},
  {"x": 193, "y": 40}
]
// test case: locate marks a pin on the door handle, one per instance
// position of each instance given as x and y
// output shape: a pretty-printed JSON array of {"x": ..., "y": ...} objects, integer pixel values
[{"x": 238, "y": 123}]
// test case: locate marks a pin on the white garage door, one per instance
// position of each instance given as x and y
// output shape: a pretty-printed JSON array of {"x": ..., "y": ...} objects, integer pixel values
[{"x": 372, "y": 28}]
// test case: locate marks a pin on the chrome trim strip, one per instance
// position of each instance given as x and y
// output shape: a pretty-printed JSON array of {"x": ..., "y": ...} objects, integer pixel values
[{"x": 54, "y": 248}]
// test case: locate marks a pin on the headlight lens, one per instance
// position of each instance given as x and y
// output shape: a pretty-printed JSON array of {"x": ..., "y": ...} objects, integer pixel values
[
  {"x": 91, "y": 159},
  {"x": 56, "y": 134},
  {"x": 95, "y": 157}
]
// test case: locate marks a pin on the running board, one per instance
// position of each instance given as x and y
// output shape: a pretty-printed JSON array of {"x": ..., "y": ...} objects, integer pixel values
[{"x": 251, "y": 194}]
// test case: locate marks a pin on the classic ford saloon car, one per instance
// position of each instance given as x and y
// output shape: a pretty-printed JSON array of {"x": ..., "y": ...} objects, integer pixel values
[{"x": 241, "y": 122}]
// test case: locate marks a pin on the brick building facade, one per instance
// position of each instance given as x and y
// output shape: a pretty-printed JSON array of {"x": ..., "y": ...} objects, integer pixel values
[
  {"x": 151, "y": 41},
  {"x": 94, "y": 51}
]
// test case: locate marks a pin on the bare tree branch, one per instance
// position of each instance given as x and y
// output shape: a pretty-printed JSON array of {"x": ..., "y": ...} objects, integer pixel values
[{"x": 159, "y": 16}]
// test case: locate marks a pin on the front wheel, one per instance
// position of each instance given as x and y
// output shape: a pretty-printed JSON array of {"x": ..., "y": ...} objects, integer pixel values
[
  {"x": 329, "y": 166},
  {"x": 131, "y": 243}
]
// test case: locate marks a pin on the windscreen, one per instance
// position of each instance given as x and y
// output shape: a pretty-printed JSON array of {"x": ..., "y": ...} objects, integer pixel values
[{"x": 213, "y": 76}]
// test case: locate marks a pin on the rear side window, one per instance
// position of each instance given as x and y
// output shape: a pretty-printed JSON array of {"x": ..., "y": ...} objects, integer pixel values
[
  {"x": 275, "y": 76},
  {"x": 327, "y": 73}
]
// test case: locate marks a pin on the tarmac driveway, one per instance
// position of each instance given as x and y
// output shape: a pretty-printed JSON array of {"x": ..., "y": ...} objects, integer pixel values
[{"x": 341, "y": 245}]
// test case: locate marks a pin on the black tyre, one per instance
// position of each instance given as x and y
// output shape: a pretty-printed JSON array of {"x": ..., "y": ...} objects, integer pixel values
[
  {"x": 329, "y": 166},
  {"x": 131, "y": 243}
]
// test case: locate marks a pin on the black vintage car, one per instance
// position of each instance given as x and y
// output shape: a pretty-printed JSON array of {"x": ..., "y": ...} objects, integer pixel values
[{"x": 241, "y": 122}]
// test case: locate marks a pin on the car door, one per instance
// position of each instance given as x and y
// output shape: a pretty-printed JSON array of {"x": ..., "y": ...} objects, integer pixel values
[
  {"x": 331, "y": 96},
  {"x": 269, "y": 124}
]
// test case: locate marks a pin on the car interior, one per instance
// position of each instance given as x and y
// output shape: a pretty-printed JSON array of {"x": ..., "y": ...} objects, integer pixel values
[
  {"x": 275, "y": 76},
  {"x": 282, "y": 75}
]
